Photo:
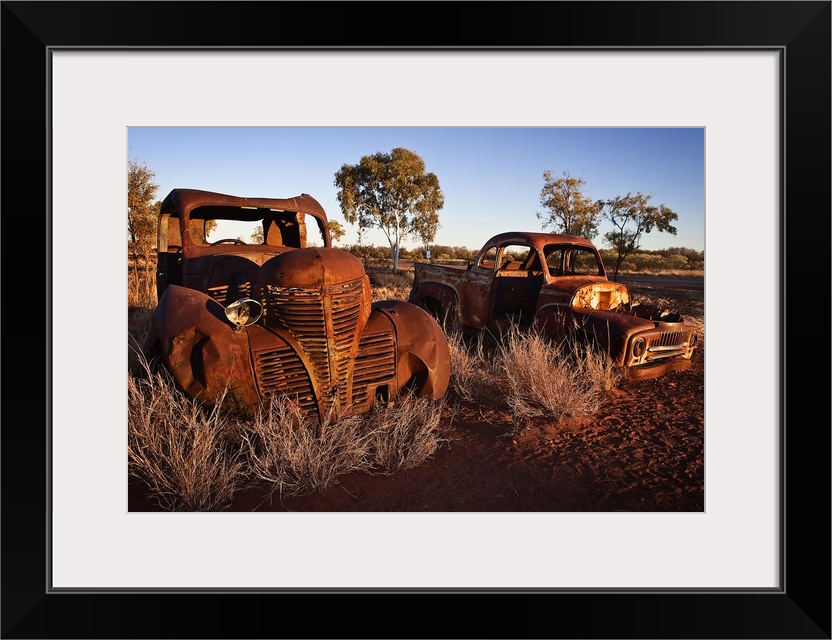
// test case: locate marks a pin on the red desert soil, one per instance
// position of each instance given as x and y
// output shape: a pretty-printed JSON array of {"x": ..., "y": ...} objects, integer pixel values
[{"x": 643, "y": 451}]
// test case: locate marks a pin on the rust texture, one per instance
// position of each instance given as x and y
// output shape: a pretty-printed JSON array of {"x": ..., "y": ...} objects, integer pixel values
[
  {"x": 559, "y": 285},
  {"x": 241, "y": 320}
]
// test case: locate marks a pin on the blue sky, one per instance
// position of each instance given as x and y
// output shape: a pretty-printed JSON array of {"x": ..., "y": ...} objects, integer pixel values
[{"x": 491, "y": 177}]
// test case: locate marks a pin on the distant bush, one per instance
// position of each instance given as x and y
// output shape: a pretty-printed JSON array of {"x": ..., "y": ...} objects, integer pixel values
[
  {"x": 387, "y": 285},
  {"x": 663, "y": 261},
  {"x": 674, "y": 260},
  {"x": 141, "y": 282}
]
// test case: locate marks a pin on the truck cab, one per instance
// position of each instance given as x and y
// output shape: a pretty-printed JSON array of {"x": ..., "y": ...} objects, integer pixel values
[
  {"x": 557, "y": 284},
  {"x": 254, "y": 302}
]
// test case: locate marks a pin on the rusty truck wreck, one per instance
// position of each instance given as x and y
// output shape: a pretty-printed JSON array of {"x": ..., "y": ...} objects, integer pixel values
[
  {"x": 253, "y": 301},
  {"x": 558, "y": 284}
]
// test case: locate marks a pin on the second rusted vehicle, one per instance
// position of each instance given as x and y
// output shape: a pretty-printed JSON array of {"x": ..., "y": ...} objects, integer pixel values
[
  {"x": 255, "y": 302},
  {"x": 558, "y": 284}
]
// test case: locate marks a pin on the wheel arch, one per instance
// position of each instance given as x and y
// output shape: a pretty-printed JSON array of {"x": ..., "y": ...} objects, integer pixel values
[
  {"x": 422, "y": 353},
  {"x": 439, "y": 300}
]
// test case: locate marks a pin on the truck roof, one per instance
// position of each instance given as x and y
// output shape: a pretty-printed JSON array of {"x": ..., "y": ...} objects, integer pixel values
[
  {"x": 536, "y": 239},
  {"x": 187, "y": 199}
]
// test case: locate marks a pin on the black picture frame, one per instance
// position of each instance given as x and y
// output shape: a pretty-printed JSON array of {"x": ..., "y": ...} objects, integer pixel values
[{"x": 800, "y": 608}]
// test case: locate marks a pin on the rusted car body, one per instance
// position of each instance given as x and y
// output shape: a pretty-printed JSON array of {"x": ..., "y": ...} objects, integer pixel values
[
  {"x": 283, "y": 313},
  {"x": 558, "y": 284}
]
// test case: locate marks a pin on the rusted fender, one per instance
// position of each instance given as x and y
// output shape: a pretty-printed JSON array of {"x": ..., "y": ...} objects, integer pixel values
[
  {"x": 205, "y": 354},
  {"x": 423, "y": 355},
  {"x": 610, "y": 330},
  {"x": 440, "y": 300}
]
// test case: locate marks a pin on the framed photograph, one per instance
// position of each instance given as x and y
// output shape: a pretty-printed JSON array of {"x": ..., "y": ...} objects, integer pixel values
[{"x": 77, "y": 76}]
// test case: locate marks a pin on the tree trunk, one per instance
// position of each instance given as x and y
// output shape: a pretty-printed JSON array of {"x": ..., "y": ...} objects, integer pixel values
[{"x": 395, "y": 251}]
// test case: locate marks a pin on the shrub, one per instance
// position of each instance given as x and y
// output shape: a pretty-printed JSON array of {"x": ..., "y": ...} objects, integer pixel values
[
  {"x": 295, "y": 455},
  {"x": 387, "y": 285},
  {"x": 289, "y": 451},
  {"x": 473, "y": 377},
  {"x": 531, "y": 375},
  {"x": 141, "y": 284},
  {"x": 547, "y": 378},
  {"x": 177, "y": 450},
  {"x": 404, "y": 434}
]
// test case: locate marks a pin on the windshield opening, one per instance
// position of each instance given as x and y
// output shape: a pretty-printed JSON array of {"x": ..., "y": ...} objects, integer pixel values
[{"x": 569, "y": 260}]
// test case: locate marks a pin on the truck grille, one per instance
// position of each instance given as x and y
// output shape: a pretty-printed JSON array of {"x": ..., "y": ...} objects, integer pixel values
[
  {"x": 667, "y": 344},
  {"x": 280, "y": 371},
  {"x": 669, "y": 339},
  {"x": 325, "y": 323},
  {"x": 375, "y": 365},
  {"x": 220, "y": 293},
  {"x": 304, "y": 312}
]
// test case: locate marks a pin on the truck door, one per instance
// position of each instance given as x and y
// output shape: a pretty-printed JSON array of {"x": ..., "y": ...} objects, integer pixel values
[
  {"x": 516, "y": 284},
  {"x": 169, "y": 253},
  {"x": 477, "y": 292}
]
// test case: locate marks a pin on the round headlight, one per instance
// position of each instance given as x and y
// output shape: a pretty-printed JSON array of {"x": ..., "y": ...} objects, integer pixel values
[
  {"x": 244, "y": 312},
  {"x": 694, "y": 340},
  {"x": 639, "y": 347}
]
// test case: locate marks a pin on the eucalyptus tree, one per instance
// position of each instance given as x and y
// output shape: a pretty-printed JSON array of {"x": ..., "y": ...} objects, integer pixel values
[
  {"x": 142, "y": 210},
  {"x": 336, "y": 230},
  {"x": 568, "y": 210},
  {"x": 425, "y": 227},
  {"x": 392, "y": 192},
  {"x": 632, "y": 216}
]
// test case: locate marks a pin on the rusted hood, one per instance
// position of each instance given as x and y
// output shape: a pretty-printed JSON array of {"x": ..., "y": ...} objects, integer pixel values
[
  {"x": 312, "y": 267},
  {"x": 570, "y": 284}
]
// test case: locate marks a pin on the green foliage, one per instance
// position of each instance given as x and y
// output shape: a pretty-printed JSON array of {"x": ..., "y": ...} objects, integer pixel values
[
  {"x": 142, "y": 214},
  {"x": 633, "y": 215},
  {"x": 695, "y": 259},
  {"x": 142, "y": 209},
  {"x": 643, "y": 261},
  {"x": 663, "y": 260},
  {"x": 391, "y": 191},
  {"x": 336, "y": 230},
  {"x": 676, "y": 262},
  {"x": 568, "y": 210},
  {"x": 425, "y": 227},
  {"x": 367, "y": 251}
]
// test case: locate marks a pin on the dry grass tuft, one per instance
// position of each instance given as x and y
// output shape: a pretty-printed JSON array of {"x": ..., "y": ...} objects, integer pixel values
[
  {"x": 404, "y": 434},
  {"x": 597, "y": 367},
  {"x": 387, "y": 285},
  {"x": 296, "y": 456},
  {"x": 177, "y": 449},
  {"x": 141, "y": 286},
  {"x": 138, "y": 326},
  {"x": 546, "y": 378},
  {"x": 473, "y": 377},
  {"x": 531, "y": 375},
  {"x": 285, "y": 452}
]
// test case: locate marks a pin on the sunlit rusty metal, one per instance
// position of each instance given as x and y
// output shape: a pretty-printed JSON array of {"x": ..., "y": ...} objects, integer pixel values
[
  {"x": 238, "y": 323},
  {"x": 558, "y": 284}
]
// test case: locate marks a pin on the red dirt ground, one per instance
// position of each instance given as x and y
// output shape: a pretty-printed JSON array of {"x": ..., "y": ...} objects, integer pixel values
[{"x": 643, "y": 451}]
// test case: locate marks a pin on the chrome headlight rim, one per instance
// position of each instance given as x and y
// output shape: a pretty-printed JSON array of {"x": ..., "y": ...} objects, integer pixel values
[
  {"x": 639, "y": 348},
  {"x": 243, "y": 312}
]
